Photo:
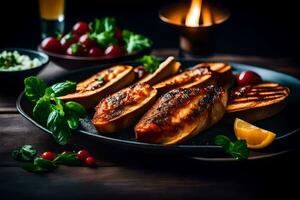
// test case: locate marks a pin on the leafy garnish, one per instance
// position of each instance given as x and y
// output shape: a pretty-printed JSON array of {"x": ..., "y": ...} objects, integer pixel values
[
  {"x": 34, "y": 88},
  {"x": 237, "y": 149},
  {"x": 42, "y": 109},
  {"x": 24, "y": 153},
  {"x": 104, "y": 39},
  {"x": 50, "y": 111},
  {"x": 100, "y": 78},
  {"x": 58, "y": 125},
  {"x": 41, "y": 165},
  {"x": 150, "y": 63},
  {"x": 31, "y": 167},
  {"x": 67, "y": 158},
  {"x": 63, "y": 88},
  {"x": 101, "y": 25},
  {"x": 76, "y": 108},
  {"x": 135, "y": 42}
]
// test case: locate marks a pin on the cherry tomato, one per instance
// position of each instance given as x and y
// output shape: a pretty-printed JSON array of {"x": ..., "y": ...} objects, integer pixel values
[
  {"x": 86, "y": 41},
  {"x": 81, "y": 28},
  {"x": 140, "y": 71},
  {"x": 114, "y": 51},
  {"x": 96, "y": 52},
  {"x": 48, "y": 155},
  {"x": 90, "y": 161},
  {"x": 118, "y": 34},
  {"x": 248, "y": 78},
  {"x": 51, "y": 44},
  {"x": 82, "y": 154},
  {"x": 68, "y": 39},
  {"x": 76, "y": 50}
]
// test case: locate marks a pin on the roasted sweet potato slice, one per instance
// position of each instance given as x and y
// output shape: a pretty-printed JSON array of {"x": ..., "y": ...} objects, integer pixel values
[
  {"x": 123, "y": 108},
  {"x": 90, "y": 91},
  {"x": 166, "y": 69},
  {"x": 201, "y": 75},
  {"x": 256, "y": 102}
]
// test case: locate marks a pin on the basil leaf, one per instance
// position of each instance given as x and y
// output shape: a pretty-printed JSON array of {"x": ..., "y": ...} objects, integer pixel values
[
  {"x": 34, "y": 88},
  {"x": 95, "y": 26},
  {"x": 49, "y": 92},
  {"x": 46, "y": 164},
  {"x": 150, "y": 63},
  {"x": 58, "y": 125},
  {"x": 223, "y": 141},
  {"x": 42, "y": 109},
  {"x": 25, "y": 153},
  {"x": 34, "y": 168},
  {"x": 73, "y": 120},
  {"x": 135, "y": 42},
  {"x": 102, "y": 25},
  {"x": 63, "y": 88},
  {"x": 239, "y": 150},
  {"x": 68, "y": 158},
  {"x": 109, "y": 23},
  {"x": 77, "y": 108},
  {"x": 105, "y": 38}
]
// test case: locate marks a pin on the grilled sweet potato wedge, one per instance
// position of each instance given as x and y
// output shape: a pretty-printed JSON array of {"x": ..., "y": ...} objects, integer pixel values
[
  {"x": 256, "y": 102},
  {"x": 201, "y": 75},
  {"x": 123, "y": 108},
  {"x": 180, "y": 114},
  {"x": 90, "y": 91},
  {"x": 166, "y": 69}
]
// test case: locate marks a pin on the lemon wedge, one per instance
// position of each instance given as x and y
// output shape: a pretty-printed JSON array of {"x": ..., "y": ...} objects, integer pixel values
[{"x": 256, "y": 138}]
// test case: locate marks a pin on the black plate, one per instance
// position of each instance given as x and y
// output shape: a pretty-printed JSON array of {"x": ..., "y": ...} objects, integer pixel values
[{"x": 202, "y": 146}]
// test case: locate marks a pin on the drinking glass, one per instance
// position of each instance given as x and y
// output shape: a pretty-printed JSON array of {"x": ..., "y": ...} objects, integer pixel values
[{"x": 52, "y": 17}]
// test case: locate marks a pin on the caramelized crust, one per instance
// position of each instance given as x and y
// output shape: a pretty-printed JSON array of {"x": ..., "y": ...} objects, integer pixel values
[
  {"x": 254, "y": 96},
  {"x": 90, "y": 91},
  {"x": 93, "y": 83},
  {"x": 180, "y": 114},
  {"x": 116, "y": 104},
  {"x": 199, "y": 76},
  {"x": 256, "y": 102}
]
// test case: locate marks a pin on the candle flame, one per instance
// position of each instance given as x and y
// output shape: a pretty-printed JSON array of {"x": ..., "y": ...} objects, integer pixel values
[{"x": 193, "y": 16}]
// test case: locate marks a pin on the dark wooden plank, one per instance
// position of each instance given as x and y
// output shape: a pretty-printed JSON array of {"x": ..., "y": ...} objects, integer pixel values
[
  {"x": 16, "y": 131},
  {"x": 157, "y": 179}
]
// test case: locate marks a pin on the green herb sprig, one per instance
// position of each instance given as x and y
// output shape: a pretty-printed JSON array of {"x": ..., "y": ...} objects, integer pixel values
[
  {"x": 40, "y": 165},
  {"x": 59, "y": 117},
  {"x": 237, "y": 149},
  {"x": 150, "y": 63}
]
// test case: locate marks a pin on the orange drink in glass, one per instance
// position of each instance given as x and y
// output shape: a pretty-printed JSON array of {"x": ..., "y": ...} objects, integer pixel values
[{"x": 52, "y": 17}]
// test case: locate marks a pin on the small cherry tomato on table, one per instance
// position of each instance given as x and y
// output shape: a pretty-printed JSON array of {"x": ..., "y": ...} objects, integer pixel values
[
  {"x": 82, "y": 154},
  {"x": 48, "y": 155},
  {"x": 90, "y": 161},
  {"x": 248, "y": 78}
]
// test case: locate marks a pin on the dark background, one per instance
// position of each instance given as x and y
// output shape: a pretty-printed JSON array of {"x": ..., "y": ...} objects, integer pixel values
[{"x": 263, "y": 28}]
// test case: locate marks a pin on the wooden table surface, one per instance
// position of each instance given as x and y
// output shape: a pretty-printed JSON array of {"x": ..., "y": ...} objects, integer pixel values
[{"x": 132, "y": 175}]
